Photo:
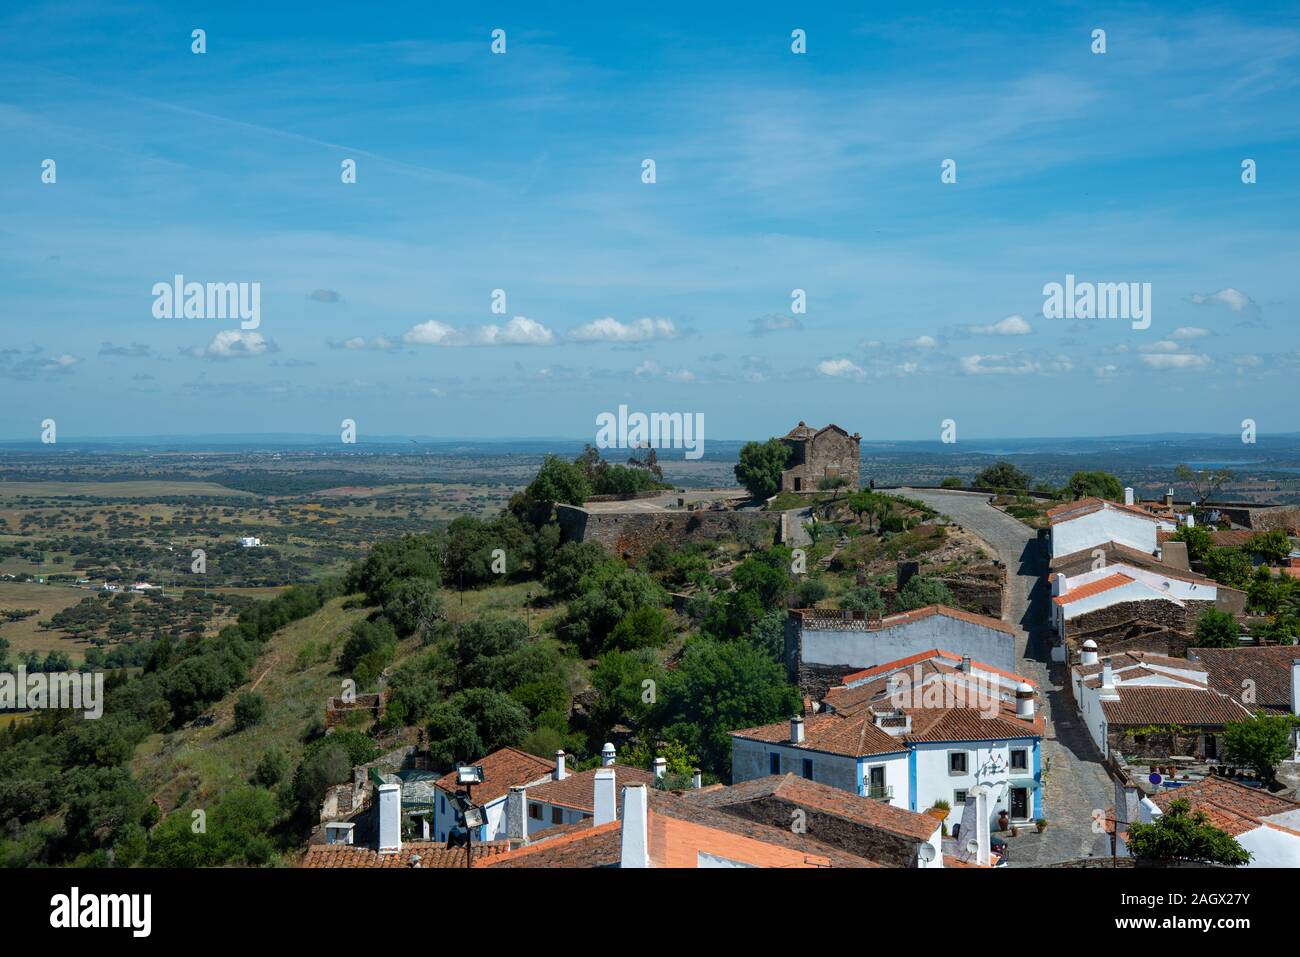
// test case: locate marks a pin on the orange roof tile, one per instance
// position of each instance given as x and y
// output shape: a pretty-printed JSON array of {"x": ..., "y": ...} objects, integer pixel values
[{"x": 1094, "y": 588}]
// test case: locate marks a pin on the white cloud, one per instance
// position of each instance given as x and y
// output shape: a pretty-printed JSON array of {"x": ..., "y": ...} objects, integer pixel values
[
  {"x": 519, "y": 331},
  {"x": 840, "y": 368},
  {"x": 1014, "y": 325},
  {"x": 235, "y": 344},
  {"x": 1236, "y": 301},
  {"x": 1164, "y": 345},
  {"x": 1106, "y": 372},
  {"x": 1189, "y": 332},
  {"x": 922, "y": 342},
  {"x": 1184, "y": 360},
  {"x": 773, "y": 323},
  {"x": 611, "y": 330},
  {"x": 1013, "y": 364},
  {"x": 651, "y": 369}
]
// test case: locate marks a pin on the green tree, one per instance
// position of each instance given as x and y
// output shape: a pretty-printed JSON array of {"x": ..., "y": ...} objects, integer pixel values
[
  {"x": 414, "y": 608},
  {"x": 760, "y": 466},
  {"x": 1262, "y": 742},
  {"x": 557, "y": 482},
  {"x": 1228, "y": 566},
  {"x": 272, "y": 769},
  {"x": 473, "y": 723},
  {"x": 719, "y": 687},
  {"x": 1272, "y": 546},
  {"x": 921, "y": 591},
  {"x": 862, "y": 598},
  {"x": 1095, "y": 484},
  {"x": 952, "y": 481},
  {"x": 1181, "y": 834},
  {"x": 1217, "y": 629},
  {"x": 1002, "y": 475},
  {"x": 573, "y": 562},
  {"x": 1200, "y": 541},
  {"x": 644, "y": 627},
  {"x": 620, "y": 680}
]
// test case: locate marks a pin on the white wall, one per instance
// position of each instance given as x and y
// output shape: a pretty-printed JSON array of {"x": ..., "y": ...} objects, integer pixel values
[
  {"x": 863, "y": 648},
  {"x": 934, "y": 782},
  {"x": 1106, "y": 525}
]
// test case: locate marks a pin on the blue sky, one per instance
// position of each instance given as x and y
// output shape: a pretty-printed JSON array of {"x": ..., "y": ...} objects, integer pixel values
[{"x": 522, "y": 172}]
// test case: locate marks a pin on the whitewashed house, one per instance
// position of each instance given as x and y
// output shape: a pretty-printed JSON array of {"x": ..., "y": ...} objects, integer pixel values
[
  {"x": 1114, "y": 584},
  {"x": 921, "y": 730},
  {"x": 1091, "y": 522}
]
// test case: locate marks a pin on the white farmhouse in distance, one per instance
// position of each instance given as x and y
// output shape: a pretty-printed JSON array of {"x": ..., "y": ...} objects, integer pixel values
[{"x": 248, "y": 541}]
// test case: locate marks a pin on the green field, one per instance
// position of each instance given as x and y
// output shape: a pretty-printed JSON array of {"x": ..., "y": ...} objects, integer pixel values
[
  {"x": 142, "y": 489},
  {"x": 25, "y": 635}
]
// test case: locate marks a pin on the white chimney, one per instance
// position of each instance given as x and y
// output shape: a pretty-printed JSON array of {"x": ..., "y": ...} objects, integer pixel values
[
  {"x": 390, "y": 818},
  {"x": 1295, "y": 686},
  {"x": 606, "y": 797},
  {"x": 1126, "y": 807},
  {"x": 1060, "y": 584},
  {"x": 1191, "y": 519},
  {"x": 660, "y": 766},
  {"x": 607, "y": 755},
  {"x": 635, "y": 831},
  {"x": 517, "y": 814},
  {"x": 697, "y": 779},
  {"x": 1128, "y": 496},
  {"x": 965, "y": 664},
  {"x": 1089, "y": 654},
  {"x": 559, "y": 773},
  {"x": 1025, "y": 701},
  {"x": 1108, "y": 692},
  {"x": 796, "y": 730}
]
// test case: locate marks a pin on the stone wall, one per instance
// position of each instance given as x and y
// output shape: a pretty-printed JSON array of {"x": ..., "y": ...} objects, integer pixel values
[
  {"x": 1119, "y": 619},
  {"x": 827, "y": 454},
  {"x": 892, "y": 850},
  {"x": 1158, "y": 744},
  {"x": 632, "y": 534},
  {"x": 978, "y": 589}
]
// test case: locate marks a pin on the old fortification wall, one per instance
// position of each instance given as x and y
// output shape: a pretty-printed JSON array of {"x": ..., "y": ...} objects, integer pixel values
[{"x": 632, "y": 534}]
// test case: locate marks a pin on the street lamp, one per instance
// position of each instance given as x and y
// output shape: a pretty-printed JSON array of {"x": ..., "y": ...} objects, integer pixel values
[{"x": 468, "y": 775}]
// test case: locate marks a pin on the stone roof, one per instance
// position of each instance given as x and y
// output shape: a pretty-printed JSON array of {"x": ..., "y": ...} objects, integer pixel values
[
  {"x": 1086, "y": 506},
  {"x": 814, "y": 619},
  {"x": 832, "y": 801}
]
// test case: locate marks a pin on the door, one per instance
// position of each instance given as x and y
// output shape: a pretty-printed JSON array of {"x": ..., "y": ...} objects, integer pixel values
[{"x": 1020, "y": 803}]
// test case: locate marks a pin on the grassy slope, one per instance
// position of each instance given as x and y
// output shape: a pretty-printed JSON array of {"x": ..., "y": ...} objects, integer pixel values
[{"x": 195, "y": 763}]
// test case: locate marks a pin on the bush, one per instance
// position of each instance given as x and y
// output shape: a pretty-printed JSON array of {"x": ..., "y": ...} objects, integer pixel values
[
  {"x": 272, "y": 769},
  {"x": 921, "y": 591},
  {"x": 1217, "y": 629},
  {"x": 250, "y": 710}
]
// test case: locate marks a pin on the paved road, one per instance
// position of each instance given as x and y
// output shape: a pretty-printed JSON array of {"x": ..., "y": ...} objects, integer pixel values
[{"x": 1076, "y": 782}]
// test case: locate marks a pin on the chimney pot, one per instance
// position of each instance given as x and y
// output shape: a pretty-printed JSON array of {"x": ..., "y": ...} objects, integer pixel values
[
  {"x": 635, "y": 832},
  {"x": 1025, "y": 701},
  {"x": 607, "y": 755},
  {"x": 796, "y": 730},
  {"x": 605, "y": 798},
  {"x": 390, "y": 818},
  {"x": 661, "y": 767},
  {"x": 1295, "y": 686},
  {"x": 560, "y": 773},
  {"x": 1089, "y": 654},
  {"x": 697, "y": 779},
  {"x": 965, "y": 664}
]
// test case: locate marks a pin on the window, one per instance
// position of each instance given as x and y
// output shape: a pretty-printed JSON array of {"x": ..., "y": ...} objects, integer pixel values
[
  {"x": 774, "y": 763},
  {"x": 535, "y": 811},
  {"x": 959, "y": 798},
  {"x": 956, "y": 762},
  {"x": 807, "y": 768},
  {"x": 442, "y": 801},
  {"x": 1019, "y": 759},
  {"x": 557, "y": 816}
]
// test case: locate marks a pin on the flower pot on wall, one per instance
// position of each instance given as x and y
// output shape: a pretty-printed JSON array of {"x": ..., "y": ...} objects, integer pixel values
[{"x": 1003, "y": 820}]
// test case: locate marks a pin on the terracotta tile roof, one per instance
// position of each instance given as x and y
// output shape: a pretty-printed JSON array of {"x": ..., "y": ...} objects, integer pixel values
[
  {"x": 970, "y": 724},
  {"x": 1127, "y": 659},
  {"x": 577, "y": 790},
  {"x": 678, "y": 832},
  {"x": 832, "y": 801},
  {"x": 927, "y": 656},
  {"x": 850, "y": 736},
  {"x": 810, "y": 619},
  {"x": 1230, "y": 806},
  {"x": 1086, "y": 506},
  {"x": 581, "y": 846},
  {"x": 1109, "y": 549},
  {"x": 502, "y": 770},
  {"x": 430, "y": 855},
  {"x": 1161, "y": 706},
  {"x": 1094, "y": 588},
  {"x": 1267, "y": 666},
  {"x": 809, "y": 851}
]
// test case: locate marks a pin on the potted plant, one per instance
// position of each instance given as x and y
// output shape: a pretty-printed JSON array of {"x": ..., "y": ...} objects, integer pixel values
[
  {"x": 1041, "y": 824},
  {"x": 1003, "y": 819}
]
